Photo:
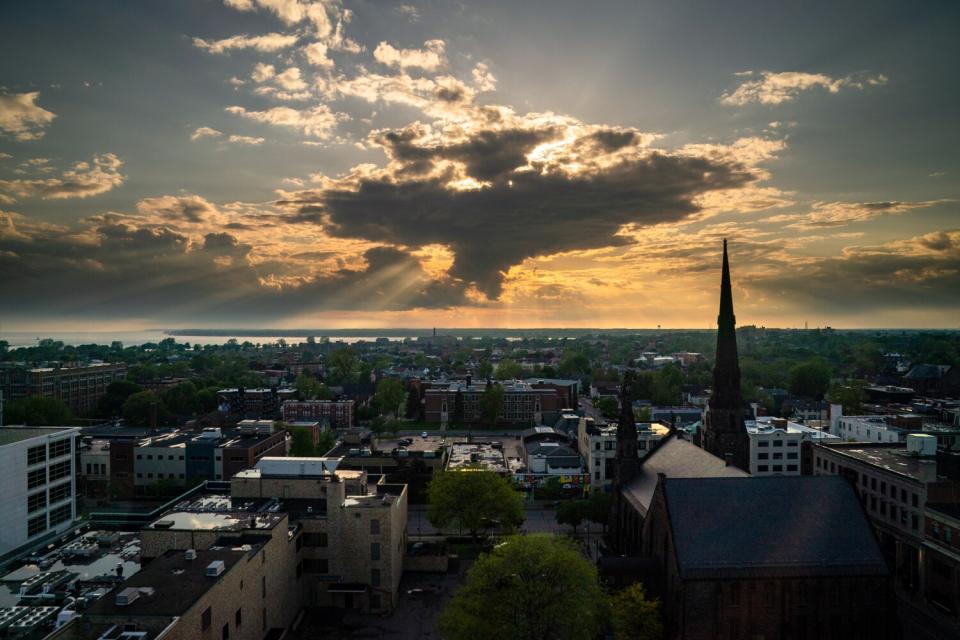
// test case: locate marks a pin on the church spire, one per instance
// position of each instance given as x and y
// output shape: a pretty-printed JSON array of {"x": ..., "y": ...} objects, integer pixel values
[{"x": 726, "y": 372}]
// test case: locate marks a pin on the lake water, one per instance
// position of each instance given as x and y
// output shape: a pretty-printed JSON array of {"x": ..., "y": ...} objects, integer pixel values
[{"x": 128, "y": 338}]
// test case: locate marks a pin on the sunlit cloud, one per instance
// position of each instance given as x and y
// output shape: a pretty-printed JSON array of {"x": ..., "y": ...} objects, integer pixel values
[
  {"x": 770, "y": 88},
  {"x": 81, "y": 180},
  {"x": 266, "y": 43},
  {"x": 22, "y": 118}
]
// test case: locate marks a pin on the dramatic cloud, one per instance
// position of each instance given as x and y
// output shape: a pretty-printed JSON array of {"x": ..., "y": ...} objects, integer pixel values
[
  {"x": 824, "y": 215},
  {"x": 505, "y": 188},
  {"x": 82, "y": 180},
  {"x": 318, "y": 122},
  {"x": 430, "y": 58},
  {"x": 22, "y": 118},
  {"x": 326, "y": 18},
  {"x": 207, "y": 277},
  {"x": 267, "y": 42},
  {"x": 205, "y": 132},
  {"x": 769, "y": 87},
  {"x": 483, "y": 80},
  {"x": 908, "y": 276},
  {"x": 317, "y": 55}
]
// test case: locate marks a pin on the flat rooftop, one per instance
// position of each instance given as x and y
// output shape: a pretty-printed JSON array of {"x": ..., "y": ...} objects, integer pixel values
[
  {"x": 169, "y": 585},
  {"x": 214, "y": 512},
  {"x": 12, "y": 435},
  {"x": 482, "y": 454},
  {"x": 892, "y": 458}
]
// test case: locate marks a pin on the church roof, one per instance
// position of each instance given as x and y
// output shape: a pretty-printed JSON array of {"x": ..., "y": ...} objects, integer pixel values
[
  {"x": 677, "y": 458},
  {"x": 774, "y": 526}
]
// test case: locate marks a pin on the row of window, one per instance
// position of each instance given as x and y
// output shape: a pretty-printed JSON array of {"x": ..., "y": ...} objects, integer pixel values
[
  {"x": 38, "y": 524},
  {"x": 57, "y": 449},
  {"x": 39, "y": 500},
  {"x": 791, "y": 455},
  {"x": 40, "y": 477},
  {"x": 96, "y": 469},
  {"x": 776, "y": 443},
  {"x": 777, "y": 468}
]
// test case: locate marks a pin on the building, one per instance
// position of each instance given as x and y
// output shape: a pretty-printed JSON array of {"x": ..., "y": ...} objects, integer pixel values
[
  {"x": 782, "y": 447},
  {"x": 254, "y": 403},
  {"x": 353, "y": 528},
  {"x": 93, "y": 476},
  {"x": 483, "y": 455},
  {"x": 942, "y": 558},
  {"x": 938, "y": 380},
  {"x": 568, "y": 390},
  {"x": 523, "y": 403},
  {"x": 335, "y": 414},
  {"x": 866, "y": 429},
  {"x": 734, "y": 559},
  {"x": 597, "y": 444},
  {"x": 37, "y": 473},
  {"x": 676, "y": 416},
  {"x": 78, "y": 387},
  {"x": 723, "y": 433}
]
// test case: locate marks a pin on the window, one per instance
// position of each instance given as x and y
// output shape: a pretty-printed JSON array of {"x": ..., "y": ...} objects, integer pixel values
[
  {"x": 914, "y": 522},
  {"x": 139, "y": 456},
  {"x": 792, "y": 455},
  {"x": 314, "y": 565},
  {"x": 883, "y": 488},
  {"x": 60, "y": 492},
  {"x": 36, "y": 501},
  {"x": 763, "y": 443},
  {"x": 238, "y": 618},
  {"x": 226, "y": 632},
  {"x": 778, "y": 468},
  {"x": 59, "y": 470},
  {"x": 863, "y": 480},
  {"x": 792, "y": 443},
  {"x": 206, "y": 619},
  {"x": 169, "y": 457},
  {"x": 916, "y": 500},
  {"x": 264, "y": 619},
  {"x": 36, "y": 525},
  {"x": 60, "y": 448},
  {"x": 36, "y": 478},
  {"x": 778, "y": 456},
  {"x": 597, "y": 447},
  {"x": 375, "y": 577},
  {"x": 818, "y": 462},
  {"x": 791, "y": 467},
  {"x": 893, "y": 512},
  {"x": 873, "y": 483},
  {"x": 778, "y": 443},
  {"x": 873, "y": 503},
  {"x": 374, "y": 550},
  {"x": 763, "y": 456},
  {"x": 263, "y": 587},
  {"x": 596, "y": 475},
  {"x": 149, "y": 475},
  {"x": 315, "y": 539},
  {"x": 762, "y": 468},
  {"x": 903, "y": 496},
  {"x": 374, "y": 526},
  {"x": 883, "y": 507},
  {"x": 61, "y": 514},
  {"x": 36, "y": 455}
]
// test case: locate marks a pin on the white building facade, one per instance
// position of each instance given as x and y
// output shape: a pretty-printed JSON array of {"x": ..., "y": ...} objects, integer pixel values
[
  {"x": 39, "y": 483},
  {"x": 776, "y": 445}
]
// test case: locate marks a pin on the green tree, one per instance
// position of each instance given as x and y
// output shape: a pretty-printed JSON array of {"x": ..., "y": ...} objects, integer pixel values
[
  {"x": 485, "y": 370},
  {"x": 571, "y": 512},
  {"x": 325, "y": 442},
  {"x": 183, "y": 399},
  {"x": 608, "y": 406},
  {"x": 849, "y": 394},
  {"x": 390, "y": 393},
  {"x": 38, "y": 412},
  {"x": 529, "y": 588},
  {"x": 139, "y": 409},
  {"x": 598, "y": 507},
  {"x": 310, "y": 388},
  {"x": 117, "y": 393},
  {"x": 475, "y": 500},
  {"x": 344, "y": 364},
  {"x": 491, "y": 404},
  {"x": 810, "y": 378},
  {"x": 667, "y": 386},
  {"x": 509, "y": 370},
  {"x": 634, "y": 616},
  {"x": 573, "y": 364},
  {"x": 301, "y": 442}
]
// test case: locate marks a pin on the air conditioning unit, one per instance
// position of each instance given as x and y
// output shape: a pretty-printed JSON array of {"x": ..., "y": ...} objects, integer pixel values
[
  {"x": 190, "y": 554},
  {"x": 215, "y": 568},
  {"x": 127, "y": 596}
]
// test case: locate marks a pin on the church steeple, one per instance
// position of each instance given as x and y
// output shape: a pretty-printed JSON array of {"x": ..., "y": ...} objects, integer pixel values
[
  {"x": 724, "y": 432},
  {"x": 726, "y": 371}
]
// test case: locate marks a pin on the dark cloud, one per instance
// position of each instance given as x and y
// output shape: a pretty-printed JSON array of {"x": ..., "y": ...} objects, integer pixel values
[
  {"x": 119, "y": 270},
  {"x": 577, "y": 198},
  {"x": 919, "y": 274}
]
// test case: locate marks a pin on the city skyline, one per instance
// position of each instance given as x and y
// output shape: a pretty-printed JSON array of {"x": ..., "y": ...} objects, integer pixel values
[{"x": 285, "y": 163}]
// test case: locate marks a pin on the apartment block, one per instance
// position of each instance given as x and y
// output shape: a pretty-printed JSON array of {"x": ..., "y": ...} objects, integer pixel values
[
  {"x": 336, "y": 414},
  {"x": 78, "y": 387}
]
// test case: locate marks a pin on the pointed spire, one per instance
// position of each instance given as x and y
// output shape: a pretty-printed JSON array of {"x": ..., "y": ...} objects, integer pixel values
[{"x": 726, "y": 372}]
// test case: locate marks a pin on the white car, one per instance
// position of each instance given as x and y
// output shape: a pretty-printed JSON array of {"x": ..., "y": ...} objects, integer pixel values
[{"x": 424, "y": 435}]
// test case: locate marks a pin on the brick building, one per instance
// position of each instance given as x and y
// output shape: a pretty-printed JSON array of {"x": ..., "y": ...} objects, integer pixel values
[
  {"x": 523, "y": 403},
  {"x": 735, "y": 559},
  {"x": 79, "y": 387},
  {"x": 336, "y": 414}
]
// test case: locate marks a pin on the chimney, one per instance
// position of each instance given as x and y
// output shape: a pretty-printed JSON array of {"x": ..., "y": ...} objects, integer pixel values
[{"x": 728, "y": 459}]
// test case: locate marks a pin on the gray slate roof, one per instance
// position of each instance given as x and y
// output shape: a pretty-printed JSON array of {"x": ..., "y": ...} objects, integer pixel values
[{"x": 775, "y": 526}]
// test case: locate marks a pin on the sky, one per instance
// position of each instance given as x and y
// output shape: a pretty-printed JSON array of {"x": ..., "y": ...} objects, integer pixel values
[{"x": 327, "y": 164}]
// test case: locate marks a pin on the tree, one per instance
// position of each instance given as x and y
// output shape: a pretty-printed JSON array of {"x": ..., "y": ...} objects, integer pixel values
[
  {"x": 183, "y": 399},
  {"x": 117, "y": 393},
  {"x": 509, "y": 370},
  {"x": 573, "y": 364},
  {"x": 598, "y": 507},
  {"x": 345, "y": 364},
  {"x": 571, "y": 512},
  {"x": 491, "y": 403},
  {"x": 326, "y": 442},
  {"x": 848, "y": 394},
  {"x": 810, "y": 379},
  {"x": 37, "y": 411},
  {"x": 530, "y": 587},
  {"x": 301, "y": 442},
  {"x": 634, "y": 616},
  {"x": 608, "y": 406},
  {"x": 389, "y": 395},
  {"x": 458, "y": 408},
  {"x": 667, "y": 386},
  {"x": 310, "y": 388},
  {"x": 473, "y": 499},
  {"x": 485, "y": 370},
  {"x": 140, "y": 407}
]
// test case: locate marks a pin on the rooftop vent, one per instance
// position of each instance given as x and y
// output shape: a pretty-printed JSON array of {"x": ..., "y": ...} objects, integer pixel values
[
  {"x": 127, "y": 596},
  {"x": 190, "y": 554},
  {"x": 215, "y": 568},
  {"x": 163, "y": 524}
]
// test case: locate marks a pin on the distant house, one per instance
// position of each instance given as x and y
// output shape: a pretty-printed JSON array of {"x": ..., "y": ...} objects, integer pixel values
[{"x": 933, "y": 380}]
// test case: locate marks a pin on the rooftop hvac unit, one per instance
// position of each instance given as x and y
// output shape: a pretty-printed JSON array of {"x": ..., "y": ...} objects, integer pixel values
[
  {"x": 921, "y": 444},
  {"x": 216, "y": 568},
  {"x": 127, "y": 596},
  {"x": 190, "y": 554}
]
